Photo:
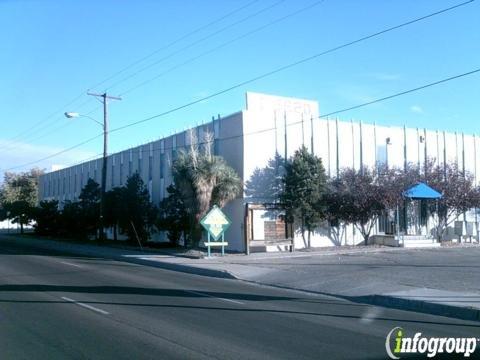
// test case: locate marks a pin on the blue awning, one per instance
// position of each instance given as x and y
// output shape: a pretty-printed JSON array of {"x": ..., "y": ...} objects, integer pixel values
[{"x": 421, "y": 191}]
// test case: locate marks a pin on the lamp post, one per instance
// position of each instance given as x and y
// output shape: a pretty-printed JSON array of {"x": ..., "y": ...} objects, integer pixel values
[{"x": 104, "y": 126}]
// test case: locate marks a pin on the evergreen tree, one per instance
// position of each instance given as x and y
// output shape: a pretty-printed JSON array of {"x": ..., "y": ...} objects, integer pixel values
[
  {"x": 304, "y": 186},
  {"x": 138, "y": 214},
  {"x": 47, "y": 218},
  {"x": 173, "y": 216},
  {"x": 113, "y": 209},
  {"x": 90, "y": 207}
]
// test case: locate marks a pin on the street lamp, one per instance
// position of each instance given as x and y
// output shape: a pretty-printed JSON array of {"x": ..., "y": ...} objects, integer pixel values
[
  {"x": 104, "y": 125},
  {"x": 72, "y": 115}
]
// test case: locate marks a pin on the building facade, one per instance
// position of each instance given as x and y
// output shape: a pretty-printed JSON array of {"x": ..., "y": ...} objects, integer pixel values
[{"x": 249, "y": 139}]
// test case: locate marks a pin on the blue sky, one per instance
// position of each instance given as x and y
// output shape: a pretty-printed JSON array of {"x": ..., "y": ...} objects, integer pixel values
[{"x": 52, "y": 51}]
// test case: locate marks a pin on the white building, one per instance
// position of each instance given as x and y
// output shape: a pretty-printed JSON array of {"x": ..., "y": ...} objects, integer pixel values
[{"x": 249, "y": 138}]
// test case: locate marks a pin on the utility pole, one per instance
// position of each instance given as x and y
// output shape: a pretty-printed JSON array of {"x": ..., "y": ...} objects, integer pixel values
[{"x": 104, "y": 101}]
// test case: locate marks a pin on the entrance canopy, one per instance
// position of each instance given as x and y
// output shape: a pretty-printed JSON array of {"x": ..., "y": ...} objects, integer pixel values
[{"x": 421, "y": 191}]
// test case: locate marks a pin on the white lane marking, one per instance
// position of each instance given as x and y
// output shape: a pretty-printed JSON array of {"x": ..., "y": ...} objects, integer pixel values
[
  {"x": 211, "y": 296},
  {"x": 86, "y": 306},
  {"x": 67, "y": 263}
]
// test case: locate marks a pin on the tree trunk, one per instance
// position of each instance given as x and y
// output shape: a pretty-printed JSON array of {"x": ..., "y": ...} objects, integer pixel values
[
  {"x": 303, "y": 230},
  {"x": 309, "y": 239},
  {"x": 195, "y": 232},
  {"x": 21, "y": 228},
  {"x": 115, "y": 232},
  {"x": 365, "y": 235}
]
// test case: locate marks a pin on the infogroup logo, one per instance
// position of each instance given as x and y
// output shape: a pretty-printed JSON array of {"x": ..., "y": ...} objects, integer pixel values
[{"x": 398, "y": 344}]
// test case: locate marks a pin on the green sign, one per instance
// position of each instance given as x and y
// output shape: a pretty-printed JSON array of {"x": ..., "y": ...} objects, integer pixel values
[{"x": 215, "y": 222}]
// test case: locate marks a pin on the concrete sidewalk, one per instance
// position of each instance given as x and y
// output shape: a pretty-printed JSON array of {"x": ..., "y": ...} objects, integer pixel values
[{"x": 442, "y": 281}]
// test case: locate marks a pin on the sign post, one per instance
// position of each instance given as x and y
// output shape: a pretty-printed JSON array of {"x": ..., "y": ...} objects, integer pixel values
[{"x": 216, "y": 223}]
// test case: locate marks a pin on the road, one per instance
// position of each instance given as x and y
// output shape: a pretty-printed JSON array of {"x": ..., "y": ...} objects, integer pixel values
[{"x": 64, "y": 306}]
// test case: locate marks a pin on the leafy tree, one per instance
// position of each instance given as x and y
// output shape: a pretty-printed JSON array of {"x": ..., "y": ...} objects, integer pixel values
[
  {"x": 47, "y": 218},
  {"x": 394, "y": 181},
  {"x": 304, "y": 187},
  {"x": 203, "y": 180},
  {"x": 338, "y": 204},
  {"x": 459, "y": 194},
  {"x": 19, "y": 195},
  {"x": 363, "y": 199},
  {"x": 20, "y": 212},
  {"x": 173, "y": 216},
  {"x": 138, "y": 214}
]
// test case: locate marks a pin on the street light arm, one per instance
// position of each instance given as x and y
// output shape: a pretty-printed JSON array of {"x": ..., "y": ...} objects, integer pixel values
[
  {"x": 91, "y": 118},
  {"x": 72, "y": 115}
]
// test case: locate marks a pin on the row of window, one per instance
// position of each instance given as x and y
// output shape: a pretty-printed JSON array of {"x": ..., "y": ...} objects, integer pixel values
[{"x": 54, "y": 186}]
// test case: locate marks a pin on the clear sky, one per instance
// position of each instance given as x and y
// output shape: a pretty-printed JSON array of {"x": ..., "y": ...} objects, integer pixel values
[{"x": 53, "y": 51}]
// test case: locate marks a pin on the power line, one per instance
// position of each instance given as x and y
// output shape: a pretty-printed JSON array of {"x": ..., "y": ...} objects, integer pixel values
[
  {"x": 282, "y": 69},
  {"x": 12, "y": 146},
  {"x": 291, "y": 65},
  {"x": 403, "y": 92},
  {"x": 34, "y": 127},
  {"x": 331, "y": 113},
  {"x": 40, "y": 123},
  {"x": 176, "y": 41},
  {"x": 195, "y": 43},
  {"x": 291, "y": 124},
  {"x": 276, "y": 21},
  {"x": 55, "y": 154},
  {"x": 184, "y": 48}
]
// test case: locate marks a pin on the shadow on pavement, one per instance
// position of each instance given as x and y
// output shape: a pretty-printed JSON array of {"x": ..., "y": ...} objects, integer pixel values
[{"x": 246, "y": 310}]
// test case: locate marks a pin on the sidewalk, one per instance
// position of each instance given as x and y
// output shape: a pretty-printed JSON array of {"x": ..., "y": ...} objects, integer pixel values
[{"x": 443, "y": 281}]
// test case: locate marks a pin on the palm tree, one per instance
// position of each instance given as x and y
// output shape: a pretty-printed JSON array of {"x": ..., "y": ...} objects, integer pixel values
[{"x": 204, "y": 180}]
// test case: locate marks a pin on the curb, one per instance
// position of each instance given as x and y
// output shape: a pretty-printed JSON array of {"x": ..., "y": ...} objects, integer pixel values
[
  {"x": 194, "y": 270},
  {"x": 102, "y": 252},
  {"x": 457, "y": 312}
]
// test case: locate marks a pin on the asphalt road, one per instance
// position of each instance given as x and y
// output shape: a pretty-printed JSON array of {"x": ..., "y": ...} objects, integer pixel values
[{"x": 64, "y": 306}]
